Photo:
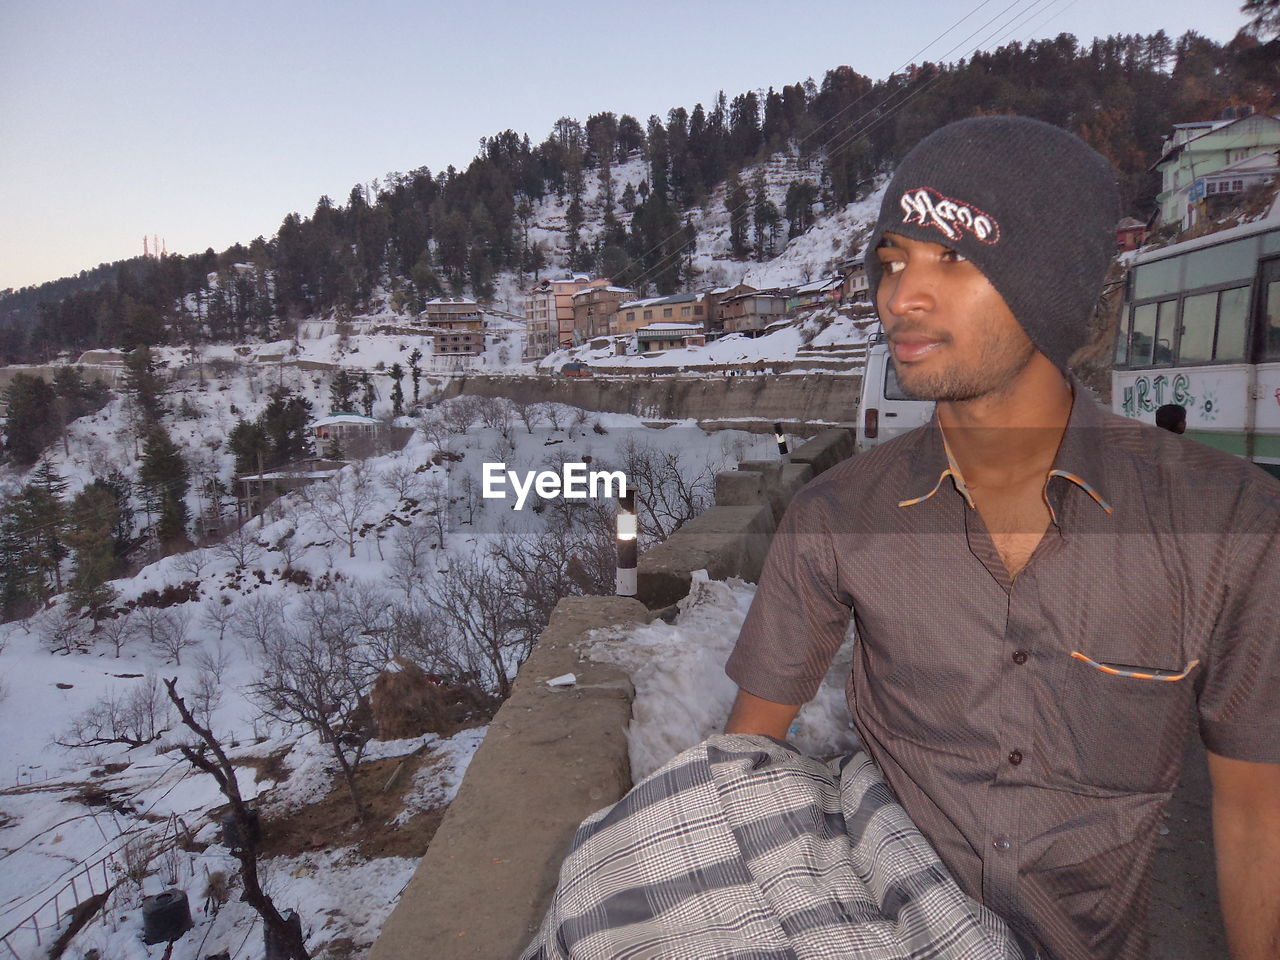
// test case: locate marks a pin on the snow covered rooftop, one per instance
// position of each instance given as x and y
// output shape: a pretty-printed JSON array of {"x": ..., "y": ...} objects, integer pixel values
[
  {"x": 350, "y": 418},
  {"x": 583, "y": 293},
  {"x": 670, "y": 327}
]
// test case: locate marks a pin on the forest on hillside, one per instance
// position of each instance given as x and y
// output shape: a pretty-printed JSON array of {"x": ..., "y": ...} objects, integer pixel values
[{"x": 421, "y": 234}]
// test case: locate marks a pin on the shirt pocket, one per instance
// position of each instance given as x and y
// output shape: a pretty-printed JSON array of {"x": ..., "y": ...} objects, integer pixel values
[{"x": 1123, "y": 720}]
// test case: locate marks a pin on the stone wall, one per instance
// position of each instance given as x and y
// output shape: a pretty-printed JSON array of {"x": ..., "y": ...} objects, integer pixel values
[{"x": 795, "y": 399}]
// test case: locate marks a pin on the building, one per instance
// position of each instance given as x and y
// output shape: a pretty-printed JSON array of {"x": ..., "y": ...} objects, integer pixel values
[
  {"x": 594, "y": 307},
  {"x": 854, "y": 287},
  {"x": 1131, "y": 233},
  {"x": 340, "y": 426},
  {"x": 815, "y": 294},
  {"x": 687, "y": 308},
  {"x": 751, "y": 312},
  {"x": 666, "y": 335},
  {"x": 548, "y": 310},
  {"x": 255, "y": 490},
  {"x": 455, "y": 342},
  {"x": 1230, "y": 155},
  {"x": 714, "y": 298},
  {"x": 452, "y": 313}
]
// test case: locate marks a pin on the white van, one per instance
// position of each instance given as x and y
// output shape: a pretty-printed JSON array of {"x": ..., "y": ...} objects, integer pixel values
[{"x": 885, "y": 410}]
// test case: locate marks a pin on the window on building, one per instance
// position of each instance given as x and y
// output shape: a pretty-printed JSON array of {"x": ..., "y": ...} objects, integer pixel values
[
  {"x": 666, "y": 312},
  {"x": 685, "y": 311},
  {"x": 648, "y": 315},
  {"x": 697, "y": 310},
  {"x": 631, "y": 315},
  {"x": 1237, "y": 186}
]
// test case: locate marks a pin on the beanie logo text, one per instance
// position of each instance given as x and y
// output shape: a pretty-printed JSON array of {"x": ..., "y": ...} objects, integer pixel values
[{"x": 953, "y": 218}]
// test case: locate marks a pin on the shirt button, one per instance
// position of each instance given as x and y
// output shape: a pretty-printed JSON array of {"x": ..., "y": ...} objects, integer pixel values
[
  {"x": 1015, "y": 758},
  {"x": 1000, "y": 843},
  {"x": 1019, "y": 657}
]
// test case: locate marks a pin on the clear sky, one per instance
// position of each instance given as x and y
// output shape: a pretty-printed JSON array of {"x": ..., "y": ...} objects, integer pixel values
[{"x": 206, "y": 123}]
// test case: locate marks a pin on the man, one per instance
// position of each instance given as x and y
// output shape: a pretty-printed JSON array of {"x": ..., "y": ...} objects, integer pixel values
[
  {"x": 1020, "y": 674},
  {"x": 1172, "y": 417}
]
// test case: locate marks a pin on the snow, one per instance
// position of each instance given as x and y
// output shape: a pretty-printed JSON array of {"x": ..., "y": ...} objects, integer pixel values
[{"x": 682, "y": 692}]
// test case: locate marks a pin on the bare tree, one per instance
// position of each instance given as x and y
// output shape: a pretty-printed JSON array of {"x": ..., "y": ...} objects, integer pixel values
[
  {"x": 166, "y": 629},
  {"x": 474, "y": 602},
  {"x": 530, "y": 413},
  {"x": 118, "y": 631},
  {"x": 669, "y": 491},
  {"x": 217, "y": 613},
  {"x": 242, "y": 547},
  {"x": 553, "y": 413},
  {"x": 435, "y": 505},
  {"x": 193, "y": 562},
  {"x": 62, "y": 630},
  {"x": 403, "y": 479},
  {"x": 461, "y": 413},
  {"x": 411, "y": 555},
  {"x": 211, "y": 665},
  {"x": 495, "y": 412},
  {"x": 257, "y": 620},
  {"x": 343, "y": 504},
  {"x": 133, "y": 718},
  {"x": 208, "y": 756},
  {"x": 313, "y": 672}
]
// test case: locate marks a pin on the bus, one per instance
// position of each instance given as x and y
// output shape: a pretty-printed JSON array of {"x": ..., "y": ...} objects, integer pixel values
[{"x": 1200, "y": 326}]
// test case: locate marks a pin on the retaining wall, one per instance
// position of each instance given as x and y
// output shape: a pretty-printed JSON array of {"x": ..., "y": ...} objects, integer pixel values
[{"x": 795, "y": 398}]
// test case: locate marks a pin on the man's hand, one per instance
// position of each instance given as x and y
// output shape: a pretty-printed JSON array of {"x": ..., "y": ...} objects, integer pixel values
[
  {"x": 1246, "y": 839},
  {"x": 752, "y": 714}
]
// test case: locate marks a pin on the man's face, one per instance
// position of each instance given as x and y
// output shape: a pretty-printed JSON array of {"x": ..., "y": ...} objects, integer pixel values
[{"x": 951, "y": 335}]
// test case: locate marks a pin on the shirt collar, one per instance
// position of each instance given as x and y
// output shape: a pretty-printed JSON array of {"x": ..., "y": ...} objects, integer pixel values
[{"x": 1079, "y": 459}]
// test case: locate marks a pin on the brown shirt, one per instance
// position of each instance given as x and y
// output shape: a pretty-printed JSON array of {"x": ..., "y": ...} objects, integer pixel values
[{"x": 1034, "y": 727}]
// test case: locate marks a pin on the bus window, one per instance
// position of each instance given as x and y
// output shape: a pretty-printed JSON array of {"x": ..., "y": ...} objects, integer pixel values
[
  {"x": 1271, "y": 310},
  {"x": 1233, "y": 324},
  {"x": 1144, "y": 334},
  {"x": 1221, "y": 264},
  {"x": 1164, "y": 332},
  {"x": 1153, "y": 279},
  {"x": 1198, "y": 313},
  {"x": 1122, "y": 343}
]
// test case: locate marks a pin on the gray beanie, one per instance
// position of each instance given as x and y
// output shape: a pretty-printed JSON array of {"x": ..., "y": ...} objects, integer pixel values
[{"x": 1032, "y": 206}]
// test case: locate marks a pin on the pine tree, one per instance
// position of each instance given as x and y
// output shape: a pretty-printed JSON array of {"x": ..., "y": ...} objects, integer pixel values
[
  {"x": 397, "y": 391},
  {"x": 738, "y": 203},
  {"x": 120, "y": 488},
  {"x": 341, "y": 389},
  {"x": 165, "y": 478},
  {"x": 368, "y": 396},
  {"x": 144, "y": 383},
  {"x": 28, "y": 426},
  {"x": 415, "y": 371},
  {"x": 92, "y": 516}
]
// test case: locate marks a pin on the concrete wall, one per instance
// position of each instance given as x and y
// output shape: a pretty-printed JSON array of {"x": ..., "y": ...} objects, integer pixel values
[
  {"x": 797, "y": 398},
  {"x": 551, "y": 758}
]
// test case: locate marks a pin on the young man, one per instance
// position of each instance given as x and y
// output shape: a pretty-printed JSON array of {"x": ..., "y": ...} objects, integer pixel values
[{"x": 1042, "y": 590}]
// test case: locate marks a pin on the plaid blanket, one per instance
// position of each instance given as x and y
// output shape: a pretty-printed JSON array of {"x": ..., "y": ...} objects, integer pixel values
[{"x": 743, "y": 848}]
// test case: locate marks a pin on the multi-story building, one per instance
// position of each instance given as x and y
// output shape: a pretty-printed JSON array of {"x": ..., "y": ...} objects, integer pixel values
[
  {"x": 1205, "y": 161},
  {"x": 594, "y": 307},
  {"x": 751, "y": 312},
  {"x": 548, "y": 310},
  {"x": 714, "y": 298},
  {"x": 454, "y": 313},
  {"x": 684, "y": 308},
  {"x": 815, "y": 294},
  {"x": 457, "y": 342},
  {"x": 854, "y": 287}
]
